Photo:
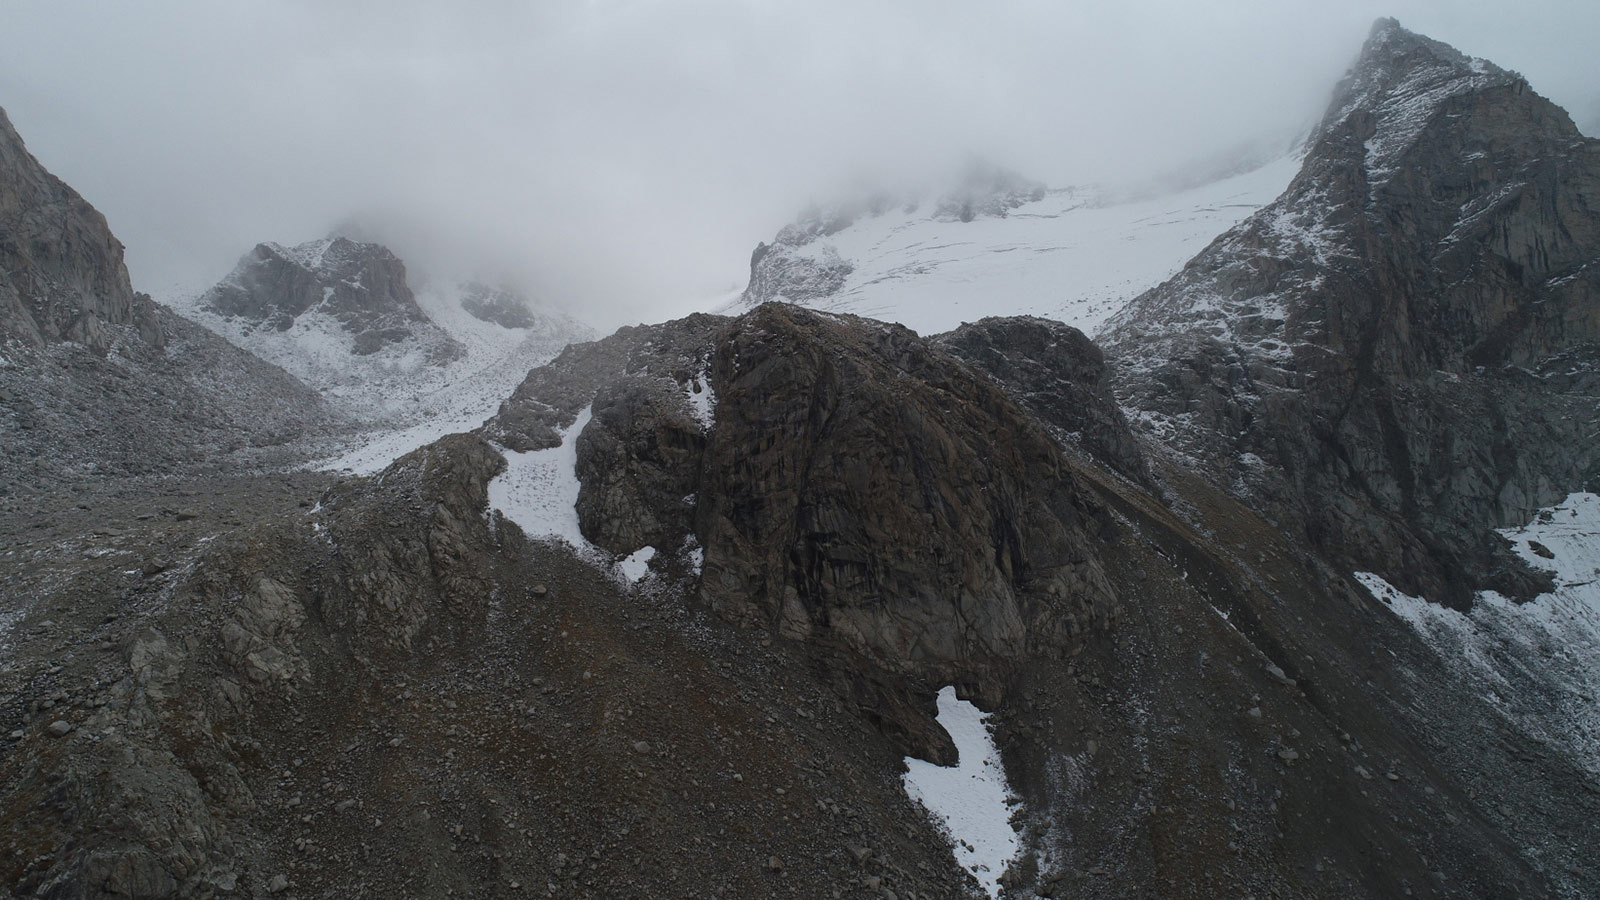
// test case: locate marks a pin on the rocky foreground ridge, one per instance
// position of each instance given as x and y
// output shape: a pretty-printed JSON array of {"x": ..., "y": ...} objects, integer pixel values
[{"x": 302, "y": 685}]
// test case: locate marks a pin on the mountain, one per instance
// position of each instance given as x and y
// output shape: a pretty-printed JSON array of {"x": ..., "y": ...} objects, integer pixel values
[
  {"x": 999, "y": 244},
  {"x": 795, "y": 603},
  {"x": 1395, "y": 356},
  {"x": 695, "y": 564},
  {"x": 97, "y": 380},
  {"x": 412, "y": 363},
  {"x": 61, "y": 271}
]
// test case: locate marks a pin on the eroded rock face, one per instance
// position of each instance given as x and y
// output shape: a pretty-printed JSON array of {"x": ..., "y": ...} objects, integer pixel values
[
  {"x": 851, "y": 487},
  {"x": 497, "y": 305},
  {"x": 1432, "y": 266},
  {"x": 863, "y": 489},
  {"x": 61, "y": 272},
  {"x": 360, "y": 286},
  {"x": 1057, "y": 374}
]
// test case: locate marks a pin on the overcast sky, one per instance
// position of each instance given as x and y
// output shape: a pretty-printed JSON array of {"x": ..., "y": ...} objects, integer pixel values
[{"x": 624, "y": 156}]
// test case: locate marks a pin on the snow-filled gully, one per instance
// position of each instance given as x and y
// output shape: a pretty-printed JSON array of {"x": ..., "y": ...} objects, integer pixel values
[
  {"x": 539, "y": 491},
  {"x": 971, "y": 800}
]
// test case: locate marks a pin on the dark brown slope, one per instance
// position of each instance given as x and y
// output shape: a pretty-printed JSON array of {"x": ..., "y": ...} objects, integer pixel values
[
  {"x": 1398, "y": 353},
  {"x": 399, "y": 653}
]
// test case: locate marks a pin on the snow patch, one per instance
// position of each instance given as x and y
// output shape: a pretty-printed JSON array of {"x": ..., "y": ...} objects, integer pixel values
[
  {"x": 637, "y": 564},
  {"x": 971, "y": 800},
  {"x": 1538, "y": 662},
  {"x": 702, "y": 400},
  {"x": 539, "y": 491}
]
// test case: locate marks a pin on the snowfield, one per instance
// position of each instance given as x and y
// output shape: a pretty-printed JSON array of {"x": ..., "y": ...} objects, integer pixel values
[
  {"x": 1538, "y": 662},
  {"x": 971, "y": 799},
  {"x": 1072, "y": 256},
  {"x": 406, "y": 402},
  {"x": 539, "y": 492}
]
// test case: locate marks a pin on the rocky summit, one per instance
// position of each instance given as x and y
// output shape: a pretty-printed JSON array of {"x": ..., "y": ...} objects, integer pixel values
[
  {"x": 1281, "y": 588},
  {"x": 361, "y": 287},
  {"x": 1395, "y": 357}
]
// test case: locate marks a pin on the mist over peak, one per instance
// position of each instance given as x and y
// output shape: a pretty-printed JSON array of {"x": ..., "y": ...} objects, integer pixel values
[{"x": 624, "y": 157}]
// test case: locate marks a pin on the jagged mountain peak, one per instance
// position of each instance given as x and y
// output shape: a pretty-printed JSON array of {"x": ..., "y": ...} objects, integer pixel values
[
  {"x": 1400, "y": 83},
  {"x": 359, "y": 286},
  {"x": 1437, "y": 248},
  {"x": 330, "y": 252}
]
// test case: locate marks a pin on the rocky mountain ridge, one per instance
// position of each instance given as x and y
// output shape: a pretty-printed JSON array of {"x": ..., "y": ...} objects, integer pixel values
[
  {"x": 98, "y": 381},
  {"x": 788, "y": 531},
  {"x": 361, "y": 287},
  {"x": 1432, "y": 265}
]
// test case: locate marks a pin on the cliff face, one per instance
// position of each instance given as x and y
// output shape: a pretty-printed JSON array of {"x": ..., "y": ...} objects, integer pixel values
[
  {"x": 860, "y": 490},
  {"x": 1430, "y": 272},
  {"x": 97, "y": 380},
  {"x": 61, "y": 271}
]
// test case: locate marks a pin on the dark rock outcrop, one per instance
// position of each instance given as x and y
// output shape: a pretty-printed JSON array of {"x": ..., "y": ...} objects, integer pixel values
[
  {"x": 862, "y": 488},
  {"x": 1433, "y": 265},
  {"x": 61, "y": 272},
  {"x": 1059, "y": 376},
  {"x": 861, "y": 491}
]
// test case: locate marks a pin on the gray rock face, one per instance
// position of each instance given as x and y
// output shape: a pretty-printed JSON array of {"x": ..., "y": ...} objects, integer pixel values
[
  {"x": 97, "y": 380},
  {"x": 61, "y": 271},
  {"x": 498, "y": 305},
  {"x": 1396, "y": 353},
  {"x": 360, "y": 286},
  {"x": 1056, "y": 373}
]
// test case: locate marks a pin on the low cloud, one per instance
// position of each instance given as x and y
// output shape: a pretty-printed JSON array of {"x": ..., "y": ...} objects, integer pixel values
[{"x": 622, "y": 156}]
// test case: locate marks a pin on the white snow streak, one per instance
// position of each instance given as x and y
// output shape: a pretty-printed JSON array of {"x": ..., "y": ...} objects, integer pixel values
[
  {"x": 702, "y": 401},
  {"x": 1538, "y": 662},
  {"x": 971, "y": 799},
  {"x": 379, "y": 451}
]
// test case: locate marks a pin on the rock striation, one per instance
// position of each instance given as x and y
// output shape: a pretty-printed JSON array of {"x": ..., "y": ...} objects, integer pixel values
[{"x": 1398, "y": 352}]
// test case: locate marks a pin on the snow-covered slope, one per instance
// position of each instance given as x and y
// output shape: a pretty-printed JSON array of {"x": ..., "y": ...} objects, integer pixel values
[
  {"x": 431, "y": 403},
  {"x": 1539, "y": 662},
  {"x": 970, "y": 800},
  {"x": 1070, "y": 255},
  {"x": 342, "y": 316}
]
